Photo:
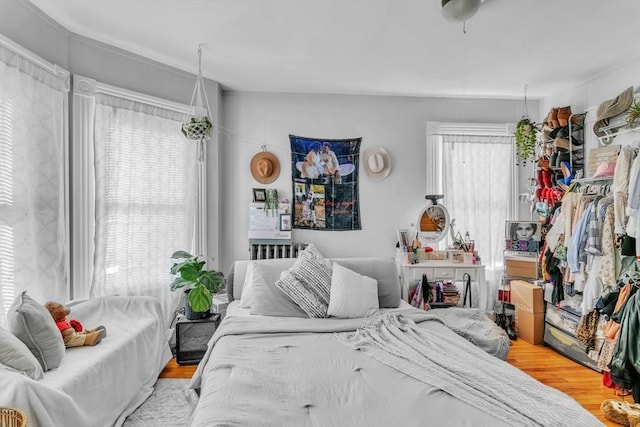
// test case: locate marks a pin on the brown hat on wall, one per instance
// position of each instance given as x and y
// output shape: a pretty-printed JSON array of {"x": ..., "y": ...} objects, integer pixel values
[
  {"x": 611, "y": 108},
  {"x": 265, "y": 167}
]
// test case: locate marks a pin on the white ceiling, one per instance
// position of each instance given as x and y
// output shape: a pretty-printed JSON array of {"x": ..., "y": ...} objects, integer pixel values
[{"x": 381, "y": 47}]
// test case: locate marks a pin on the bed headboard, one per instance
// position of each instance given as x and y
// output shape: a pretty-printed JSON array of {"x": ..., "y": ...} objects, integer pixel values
[{"x": 384, "y": 270}]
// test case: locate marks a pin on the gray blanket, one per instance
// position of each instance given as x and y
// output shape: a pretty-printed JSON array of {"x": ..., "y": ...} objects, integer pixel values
[
  {"x": 397, "y": 342},
  {"x": 269, "y": 371}
]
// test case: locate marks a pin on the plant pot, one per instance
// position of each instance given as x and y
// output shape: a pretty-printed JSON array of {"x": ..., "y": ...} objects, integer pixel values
[{"x": 189, "y": 313}]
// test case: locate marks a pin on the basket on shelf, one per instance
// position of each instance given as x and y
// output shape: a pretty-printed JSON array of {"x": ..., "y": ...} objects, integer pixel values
[{"x": 12, "y": 417}]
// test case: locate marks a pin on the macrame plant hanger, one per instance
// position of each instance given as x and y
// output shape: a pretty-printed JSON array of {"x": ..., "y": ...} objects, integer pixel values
[{"x": 199, "y": 126}]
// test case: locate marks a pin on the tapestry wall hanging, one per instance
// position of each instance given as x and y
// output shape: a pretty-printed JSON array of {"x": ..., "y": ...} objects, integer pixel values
[{"x": 324, "y": 173}]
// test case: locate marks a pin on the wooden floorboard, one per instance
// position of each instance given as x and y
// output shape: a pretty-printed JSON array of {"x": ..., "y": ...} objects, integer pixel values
[{"x": 542, "y": 363}]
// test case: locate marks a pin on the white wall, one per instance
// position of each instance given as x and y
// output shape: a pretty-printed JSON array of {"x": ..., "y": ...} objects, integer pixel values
[{"x": 397, "y": 123}]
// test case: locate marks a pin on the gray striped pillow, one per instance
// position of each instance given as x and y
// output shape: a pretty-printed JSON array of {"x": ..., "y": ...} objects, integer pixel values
[{"x": 308, "y": 282}]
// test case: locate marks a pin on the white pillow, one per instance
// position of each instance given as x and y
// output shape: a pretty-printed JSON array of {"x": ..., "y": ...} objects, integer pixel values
[
  {"x": 352, "y": 294},
  {"x": 15, "y": 355},
  {"x": 247, "y": 287},
  {"x": 267, "y": 299}
]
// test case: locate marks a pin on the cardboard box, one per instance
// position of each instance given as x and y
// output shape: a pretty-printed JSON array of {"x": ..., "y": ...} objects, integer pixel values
[
  {"x": 522, "y": 267},
  {"x": 530, "y": 326},
  {"x": 527, "y": 297}
]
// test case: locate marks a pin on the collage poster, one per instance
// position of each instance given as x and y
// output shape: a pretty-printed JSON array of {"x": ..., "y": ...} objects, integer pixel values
[{"x": 325, "y": 183}]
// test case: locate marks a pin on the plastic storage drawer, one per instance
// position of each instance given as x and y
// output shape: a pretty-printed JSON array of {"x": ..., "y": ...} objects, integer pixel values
[{"x": 568, "y": 345}]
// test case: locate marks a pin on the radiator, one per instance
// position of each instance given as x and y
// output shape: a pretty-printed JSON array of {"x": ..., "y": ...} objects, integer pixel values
[{"x": 275, "y": 250}]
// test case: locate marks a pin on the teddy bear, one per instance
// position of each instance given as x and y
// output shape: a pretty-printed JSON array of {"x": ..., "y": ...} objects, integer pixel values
[
  {"x": 73, "y": 334},
  {"x": 625, "y": 413}
]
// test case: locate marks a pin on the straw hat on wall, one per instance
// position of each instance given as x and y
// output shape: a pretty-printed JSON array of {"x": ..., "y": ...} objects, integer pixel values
[
  {"x": 265, "y": 167},
  {"x": 377, "y": 163},
  {"x": 612, "y": 108}
]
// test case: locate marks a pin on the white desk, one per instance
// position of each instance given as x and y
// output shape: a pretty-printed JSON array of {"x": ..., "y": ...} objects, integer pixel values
[{"x": 447, "y": 270}]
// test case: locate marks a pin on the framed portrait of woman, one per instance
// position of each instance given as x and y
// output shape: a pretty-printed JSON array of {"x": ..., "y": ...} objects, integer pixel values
[{"x": 523, "y": 230}]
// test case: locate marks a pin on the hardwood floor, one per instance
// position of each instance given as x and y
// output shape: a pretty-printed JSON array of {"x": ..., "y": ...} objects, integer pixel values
[
  {"x": 557, "y": 371},
  {"x": 542, "y": 363}
]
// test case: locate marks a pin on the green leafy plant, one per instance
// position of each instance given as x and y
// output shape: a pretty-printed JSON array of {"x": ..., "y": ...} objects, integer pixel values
[
  {"x": 526, "y": 137},
  {"x": 191, "y": 275},
  {"x": 633, "y": 117},
  {"x": 197, "y": 128}
]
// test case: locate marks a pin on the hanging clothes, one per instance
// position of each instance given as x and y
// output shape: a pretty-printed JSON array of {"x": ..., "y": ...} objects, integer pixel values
[
  {"x": 620, "y": 186},
  {"x": 626, "y": 354}
]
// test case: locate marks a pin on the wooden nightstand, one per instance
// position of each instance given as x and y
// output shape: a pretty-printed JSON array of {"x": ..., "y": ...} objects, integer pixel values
[{"x": 192, "y": 337}]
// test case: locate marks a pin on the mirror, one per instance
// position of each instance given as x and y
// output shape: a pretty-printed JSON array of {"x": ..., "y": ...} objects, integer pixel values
[{"x": 433, "y": 223}]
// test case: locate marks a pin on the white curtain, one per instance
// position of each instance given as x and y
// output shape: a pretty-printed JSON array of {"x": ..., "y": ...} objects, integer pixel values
[
  {"x": 33, "y": 233},
  {"x": 479, "y": 183},
  {"x": 145, "y": 198}
]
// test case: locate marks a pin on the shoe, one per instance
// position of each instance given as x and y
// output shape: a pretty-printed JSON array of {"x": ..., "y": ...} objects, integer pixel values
[
  {"x": 538, "y": 194},
  {"x": 543, "y": 162},
  {"x": 546, "y": 178},
  {"x": 539, "y": 179},
  {"x": 500, "y": 320},
  {"x": 554, "y": 118},
  {"x": 511, "y": 332},
  {"x": 577, "y": 119},
  {"x": 565, "y": 167},
  {"x": 554, "y": 132},
  {"x": 563, "y": 115},
  {"x": 562, "y": 157},
  {"x": 621, "y": 412}
]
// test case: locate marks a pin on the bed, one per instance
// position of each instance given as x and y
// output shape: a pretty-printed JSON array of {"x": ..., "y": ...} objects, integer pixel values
[{"x": 395, "y": 366}]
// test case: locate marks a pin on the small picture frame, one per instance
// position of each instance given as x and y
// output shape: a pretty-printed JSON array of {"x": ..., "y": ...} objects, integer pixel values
[
  {"x": 260, "y": 195},
  {"x": 285, "y": 222},
  {"x": 403, "y": 239},
  {"x": 523, "y": 230}
]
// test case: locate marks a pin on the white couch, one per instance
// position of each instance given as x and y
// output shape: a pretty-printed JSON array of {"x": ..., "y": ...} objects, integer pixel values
[{"x": 100, "y": 385}]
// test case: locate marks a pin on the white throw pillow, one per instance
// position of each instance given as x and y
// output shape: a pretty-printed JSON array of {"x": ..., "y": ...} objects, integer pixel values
[
  {"x": 247, "y": 287},
  {"x": 15, "y": 355},
  {"x": 352, "y": 294}
]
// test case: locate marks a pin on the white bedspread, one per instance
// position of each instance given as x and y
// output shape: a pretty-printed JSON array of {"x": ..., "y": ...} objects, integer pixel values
[
  {"x": 101, "y": 385},
  {"x": 269, "y": 371}
]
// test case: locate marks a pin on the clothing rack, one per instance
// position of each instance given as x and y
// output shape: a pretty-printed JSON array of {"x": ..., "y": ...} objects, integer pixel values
[{"x": 593, "y": 186}]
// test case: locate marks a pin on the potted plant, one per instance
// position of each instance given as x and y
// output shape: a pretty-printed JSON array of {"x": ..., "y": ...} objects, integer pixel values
[
  {"x": 197, "y": 128},
  {"x": 199, "y": 284},
  {"x": 526, "y": 136},
  {"x": 633, "y": 117}
]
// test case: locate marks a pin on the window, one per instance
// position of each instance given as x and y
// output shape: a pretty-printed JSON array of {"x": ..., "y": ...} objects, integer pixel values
[
  {"x": 475, "y": 170},
  {"x": 146, "y": 177},
  {"x": 33, "y": 231}
]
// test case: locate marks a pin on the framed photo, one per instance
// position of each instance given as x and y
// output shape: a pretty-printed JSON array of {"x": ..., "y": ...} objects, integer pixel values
[
  {"x": 259, "y": 194},
  {"x": 285, "y": 222},
  {"x": 403, "y": 239},
  {"x": 523, "y": 230}
]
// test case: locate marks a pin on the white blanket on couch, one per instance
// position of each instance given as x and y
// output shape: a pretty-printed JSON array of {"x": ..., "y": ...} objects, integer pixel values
[{"x": 101, "y": 385}]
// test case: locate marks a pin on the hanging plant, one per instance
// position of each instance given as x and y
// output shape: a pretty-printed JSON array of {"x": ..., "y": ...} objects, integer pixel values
[
  {"x": 199, "y": 126},
  {"x": 526, "y": 136}
]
